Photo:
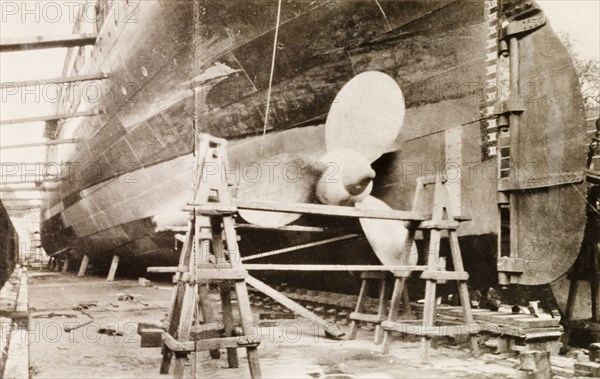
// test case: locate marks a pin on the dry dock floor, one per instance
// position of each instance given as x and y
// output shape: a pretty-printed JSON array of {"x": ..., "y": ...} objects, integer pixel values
[{"x": 289, "y": 348}]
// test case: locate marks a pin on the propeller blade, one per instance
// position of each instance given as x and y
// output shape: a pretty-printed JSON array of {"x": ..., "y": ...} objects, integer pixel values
[
  {"x": 387, "y": 237},
  {"x": 366, "y": 115},
  {"x": 283, "y": 178}
]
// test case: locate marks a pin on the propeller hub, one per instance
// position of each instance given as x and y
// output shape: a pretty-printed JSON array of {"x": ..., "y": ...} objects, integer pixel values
[
  {"x": 356, "y": 183},
  {"x": 347, "y": 178}
]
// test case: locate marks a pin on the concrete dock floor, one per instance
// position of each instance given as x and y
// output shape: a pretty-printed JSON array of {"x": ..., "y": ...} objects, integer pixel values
[{"x": 289, "y": 348}]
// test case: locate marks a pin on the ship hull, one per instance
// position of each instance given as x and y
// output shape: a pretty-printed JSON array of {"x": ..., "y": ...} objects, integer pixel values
[
  {"x": 206, "y": 65},
  {"x": 9, "y": 246}
]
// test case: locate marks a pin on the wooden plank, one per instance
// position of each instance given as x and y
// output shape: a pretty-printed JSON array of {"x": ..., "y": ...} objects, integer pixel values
[
  {"x": 37, "y": 181},
  {"x": 541, "y": 333},
  {"x": 284, "y": 267},
  {"x": 330, "y": 328},
  {"x": 518, "y": 320},
  {"x": 431, "y": 331},
  {"x": 498, "y": 318},
  {"x": 286, "y": 228},
  {"x": 46, "y": 42},
  {"x": 210, "y": 275},
  {"x": 366, "y": 317},
  {"x": 59, "y": 80},
  {"x": 176, "y": 346},
  {"x": 21, "y": 208},
  {"x": 40, "y": 144},
  {"x": 226, "y": 343},
  {"x": 25, "y": 189},
  {"x": 444, "y": 275},
  {"x": 331, "y": 298},
  {"x": 207, "y": 327},
  {"x": 167, "y": 269},
  {"x": 314, "y": 209},
  {"x": 6, "y": 199},
  {"x": 335, "y": 210},
  {"x": 439, "y": 225},
  {"x": 59, "y": 116}
]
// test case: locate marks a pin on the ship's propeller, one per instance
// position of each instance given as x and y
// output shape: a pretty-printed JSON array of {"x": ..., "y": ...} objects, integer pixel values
[{"x": 363, "y": 123}]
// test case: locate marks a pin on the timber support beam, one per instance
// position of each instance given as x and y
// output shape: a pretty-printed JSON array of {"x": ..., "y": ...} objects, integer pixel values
[
  {"x": 48, "y": 118},
  {"x": 59, "y": 80},
  {"x": 83, "y": 267},
  {"x": 46, "y": 42},
  {"x": 113, "y": 269}
]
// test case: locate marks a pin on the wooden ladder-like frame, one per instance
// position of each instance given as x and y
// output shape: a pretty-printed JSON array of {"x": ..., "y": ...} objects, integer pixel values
[
  {"x": 442, "y": 219},
  {"x": 209, "y": 255}
]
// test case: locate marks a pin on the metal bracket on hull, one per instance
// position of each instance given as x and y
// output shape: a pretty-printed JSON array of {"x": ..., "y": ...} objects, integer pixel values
[
  {"x": 503, "y": 110},
  {"x": 511, "y": 265},
  {"x": 524, "y": 19},
  {"x": 541, "y": 181},
  {"x": 508, "y": 107},
  {"x": 519, "y": 28}
]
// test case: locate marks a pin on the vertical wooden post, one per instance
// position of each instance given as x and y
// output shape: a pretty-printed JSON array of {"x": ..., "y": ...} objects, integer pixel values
[
  {"x": 113, "y": 268},
  {"x": 381, "y": 311},
  {"x": 207, "y": 313},
  {"x": 399, "y": 283},
  {"x": 83, "y": 267},
  {"x": 432, "y": 254},
  {"x": 362, "y": 300},
  {"x": 228, "y": 323},
  {"x": 241, "y": 290},
  {"x": 175, "y": 312},
  {"x": 65, "y": 267},
  {"x": 406, "y": 302},
  {"x": 188, "y": 306}
]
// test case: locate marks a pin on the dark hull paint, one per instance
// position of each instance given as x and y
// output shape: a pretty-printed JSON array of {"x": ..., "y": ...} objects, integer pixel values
[
  {"x": 9, "y": 246},
  {"x": 137, "y": 154}
]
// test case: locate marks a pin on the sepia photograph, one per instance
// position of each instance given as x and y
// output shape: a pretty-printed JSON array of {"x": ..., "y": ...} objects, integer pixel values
[{"x": 326, "y": 189}]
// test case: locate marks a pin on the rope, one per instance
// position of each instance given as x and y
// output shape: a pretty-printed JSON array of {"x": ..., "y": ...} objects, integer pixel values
[
  {"x": 264, "y": 133},
  {"x": 298, "y": 247}
]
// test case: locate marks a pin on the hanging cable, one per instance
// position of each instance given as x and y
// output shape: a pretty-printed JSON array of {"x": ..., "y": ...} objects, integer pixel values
[{"x": 264, "y": 133}]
